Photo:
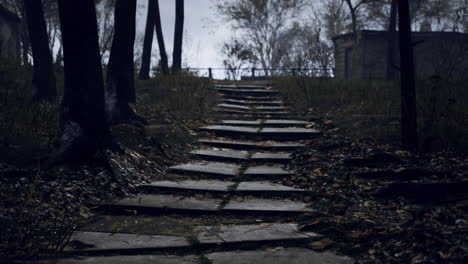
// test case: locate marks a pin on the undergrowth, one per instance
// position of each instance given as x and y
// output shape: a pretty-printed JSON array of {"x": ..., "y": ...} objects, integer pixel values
[
  {"x": 371, "y": 108},
  {"x": 183, "y": 99}
]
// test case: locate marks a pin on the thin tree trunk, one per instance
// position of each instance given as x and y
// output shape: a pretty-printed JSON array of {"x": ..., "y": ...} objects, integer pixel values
[
  {"x": 352, "y": 12},
  {"x": 147, "y": 43},
  {"x": 84, "y": 127},
  {"x": 160, "y": 37},
  {"x": 120, "y": 86},
  {"x": 44, "y": 79},
  {"x": 178, "y": 36},
  {"x": 391, "y": 41},
  {"x": 409, "y": 133}
]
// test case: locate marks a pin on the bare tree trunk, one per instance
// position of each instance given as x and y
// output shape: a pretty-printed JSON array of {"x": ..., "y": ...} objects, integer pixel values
[
  {"x": 352, "y": 11},
  {"x": 178, "y": 36},
  {"x": 120, "y": 86},
  {"x": 84, "y": 127},
  {"x": 147, "y": 43},
  {"x": 409, "y": 133},
  {"x": 391, "y": 41},
  {"x": 44, "y": 79},
  {"x": 160, "y": 37}
]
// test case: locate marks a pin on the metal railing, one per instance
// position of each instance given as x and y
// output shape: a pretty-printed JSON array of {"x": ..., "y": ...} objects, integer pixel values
[{"x": 253, "y": 72}]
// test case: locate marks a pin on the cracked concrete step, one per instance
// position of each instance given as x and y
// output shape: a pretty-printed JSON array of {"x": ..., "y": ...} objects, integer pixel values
[
  {"x": 292, "y": 255},
  {"x": 254, "y": 103},
  {"x": 207, "y": 168},
  {"x": 249, "y": 98},
  {"x": 151, "y": 203},
  {"x": 271, "y": 108},
  {"x": 221, "y": 155},
  {"x": 271, "y": 157},
  {"x": 266, "y": 205},
  {"x": 267, "y": 132},
  {"x": 234, "y": 106},
  {"x": 222, "y": 186},
  {"x": 241, "y": 155},
  {"x": 248, "y": 92},
  {"x": 264, "y": 123},
  {"x": 281, "y": 255},
  {"x": 249, "y": 145},
  {"x": 209, "y": 236},
  {"x": 253, "y": 114},
  {"x": 266, "y": 171}
]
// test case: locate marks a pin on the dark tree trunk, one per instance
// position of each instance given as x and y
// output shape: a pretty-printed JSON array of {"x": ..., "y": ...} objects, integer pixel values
[
  {"x": 24, "y": 44},
  {"x": 352, "y": 11},
  {"x": 391, "y": 41},
  {"x": 409, "y": 134},
  {"x": 147, "y": 43},
  {"x": 178, "y": 36},
  {"x": 160, "y": 37},
  {"x": 120, "y": 87},
  {"x": 84, "y": 127},
  {"x": 44, "y": 80}
]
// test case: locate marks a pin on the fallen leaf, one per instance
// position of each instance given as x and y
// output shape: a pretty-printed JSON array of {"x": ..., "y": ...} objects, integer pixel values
[{"x": 321, "y": 244}]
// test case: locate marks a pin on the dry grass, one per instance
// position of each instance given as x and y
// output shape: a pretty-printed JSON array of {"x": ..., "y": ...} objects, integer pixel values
[{"x": 372, "y": 108}]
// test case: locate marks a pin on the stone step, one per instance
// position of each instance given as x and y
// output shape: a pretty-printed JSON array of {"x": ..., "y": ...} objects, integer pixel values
[
  {"x": 271, "y": 108},
  {"x": 273, "y": 172},
  {"x": 255, "y": 114},
  {"x": 263, "y": 123},
  {"x": 248, "y": 92},
  {"x": 222, "y": 155},
  {"x": 249, "y": 145},
  {"x": 234, "y": 106},
  {"x": 221, "y": 186},
  {"x": 242, "y": 86},
  {"x": 264, "y": 133},
  {"x": 280, "y": 255},
  {"x": 153, "y": 203},
  {"x": 99, "y": 243},
  {"x": 254, "y": 103},
  {"x": 249, "y": 98},
  {"x": 241, "y": 155},
  {"x": 207, "y": 168}
]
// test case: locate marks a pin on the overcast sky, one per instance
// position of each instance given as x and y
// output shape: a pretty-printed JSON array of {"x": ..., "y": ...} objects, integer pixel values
[{"x": 203, "y": 35}]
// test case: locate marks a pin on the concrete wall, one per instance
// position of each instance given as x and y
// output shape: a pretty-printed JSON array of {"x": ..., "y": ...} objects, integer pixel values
[{"x": 439, "y": 53}]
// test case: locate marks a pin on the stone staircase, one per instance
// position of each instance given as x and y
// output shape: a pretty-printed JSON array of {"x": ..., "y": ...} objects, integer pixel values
[{"x": 234, "y": 175}]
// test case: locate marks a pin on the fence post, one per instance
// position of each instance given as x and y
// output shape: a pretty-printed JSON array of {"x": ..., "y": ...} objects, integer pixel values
[
  {"x": 253, "y": 72},
  {"x": 294, "y": 72},
  {"x": 210, "y": 73}
]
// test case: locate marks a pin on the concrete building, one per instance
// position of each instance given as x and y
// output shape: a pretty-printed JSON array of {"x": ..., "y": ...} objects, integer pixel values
[
  {"x": 435, "y": 53},
  {"x": 9, "y": 35}
]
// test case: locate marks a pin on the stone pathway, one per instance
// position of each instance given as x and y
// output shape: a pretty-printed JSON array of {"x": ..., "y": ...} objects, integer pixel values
[{"x": 234, "y": 177}]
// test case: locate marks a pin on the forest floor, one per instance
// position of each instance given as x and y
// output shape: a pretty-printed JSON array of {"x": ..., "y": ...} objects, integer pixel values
[{"x": 374, "y": 202}]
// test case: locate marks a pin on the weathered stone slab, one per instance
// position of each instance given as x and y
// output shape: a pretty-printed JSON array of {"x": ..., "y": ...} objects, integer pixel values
[
  {"x": 170, "y": 202},
  {"x": 140, "y": 259},
  {"x": 251, "y": 233},
  {"x": 213, "y": 168},
  {"x": 251, "y": 92},
  {"x": 271, "y": 156},
  {"x": 281, "y": 256},
  {"x": 199, "y": 185},
  {"x": 284, "y": 122},
  {"x": 221, "y": 154},
  {"x": 265, "y": 186},
  {"x": 248, "y": 98},
  {"x": 247, "y": 145},
  {"x": 256, "y": 103},
  {"x": 266, "y": 205},
  {"x": 271, "y": 108},
  {"x": 233, "y": 106},
  {"x": 231, "y": 129},
  {"x": 96, "y": 241},
  {"x": 266, "y": 171},
  {"x": 241, "y": 122},
  {"x": 289, "y": 130}
]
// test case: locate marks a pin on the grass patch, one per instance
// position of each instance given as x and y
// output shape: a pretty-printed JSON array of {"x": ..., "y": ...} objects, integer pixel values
[
  {"x": 371, "y": 108},
  {"x": 183, "y": 99}
]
